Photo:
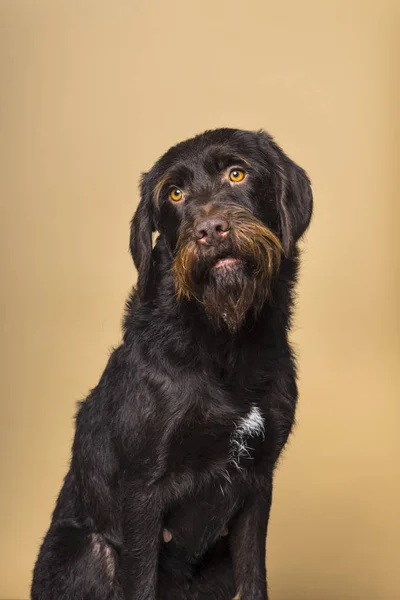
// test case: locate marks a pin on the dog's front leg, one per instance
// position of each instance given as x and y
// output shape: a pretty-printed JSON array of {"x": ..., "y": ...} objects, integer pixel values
[
  {"x": 142, "y": 519},
  {"x": 248, "y": 538}
]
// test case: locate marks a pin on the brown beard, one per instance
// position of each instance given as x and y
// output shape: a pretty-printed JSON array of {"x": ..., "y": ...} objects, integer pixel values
[{"x": 229, "y": 294}]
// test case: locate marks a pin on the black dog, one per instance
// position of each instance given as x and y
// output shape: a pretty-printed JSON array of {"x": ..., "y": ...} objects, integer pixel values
[{"x": 169, "y": 489}]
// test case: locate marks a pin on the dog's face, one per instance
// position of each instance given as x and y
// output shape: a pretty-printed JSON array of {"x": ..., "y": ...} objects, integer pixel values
[{"x": 228, "y": 204}]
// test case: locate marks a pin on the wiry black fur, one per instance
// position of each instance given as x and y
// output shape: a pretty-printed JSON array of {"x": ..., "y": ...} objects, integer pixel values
[{"x": 154, "y": 438}]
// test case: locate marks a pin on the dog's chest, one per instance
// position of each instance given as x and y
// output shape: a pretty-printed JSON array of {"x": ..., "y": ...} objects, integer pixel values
[
  {"x": 200, "y": 445},
  {"x": 246, "y": 436}
]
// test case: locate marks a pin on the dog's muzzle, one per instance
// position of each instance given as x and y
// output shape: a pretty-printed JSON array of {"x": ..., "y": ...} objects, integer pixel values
[{"x": 227, "y": 262}]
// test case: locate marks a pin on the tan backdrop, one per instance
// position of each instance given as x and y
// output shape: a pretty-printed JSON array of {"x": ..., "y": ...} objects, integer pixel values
[{"x": 92, "y": 92}]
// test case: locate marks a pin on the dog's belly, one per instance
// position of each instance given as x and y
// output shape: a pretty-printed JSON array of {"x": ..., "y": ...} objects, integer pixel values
[{"x": 197, "y": 522}]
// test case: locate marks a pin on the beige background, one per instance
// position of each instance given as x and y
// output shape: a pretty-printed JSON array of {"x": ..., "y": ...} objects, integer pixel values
[{"x": 91, "y": 93}]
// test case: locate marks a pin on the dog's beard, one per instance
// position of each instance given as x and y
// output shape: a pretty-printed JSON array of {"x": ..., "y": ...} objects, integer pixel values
[{"x": 229, "y": 292}]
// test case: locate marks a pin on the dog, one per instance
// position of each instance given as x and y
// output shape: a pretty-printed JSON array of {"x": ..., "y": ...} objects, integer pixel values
[{"x": 169, "y": 488}]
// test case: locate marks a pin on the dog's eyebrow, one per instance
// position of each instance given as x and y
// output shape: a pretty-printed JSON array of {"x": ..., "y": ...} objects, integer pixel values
[
  {"x": 231, "y": 159},
  {"x": 239, "y": 158}
]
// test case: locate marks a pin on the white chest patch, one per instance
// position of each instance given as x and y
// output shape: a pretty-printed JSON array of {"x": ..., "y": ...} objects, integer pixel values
[{"x": 252, "y": 425}]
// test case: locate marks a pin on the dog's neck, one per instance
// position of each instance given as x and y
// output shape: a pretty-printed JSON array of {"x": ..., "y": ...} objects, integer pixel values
[{"x": 165, "y": 322}]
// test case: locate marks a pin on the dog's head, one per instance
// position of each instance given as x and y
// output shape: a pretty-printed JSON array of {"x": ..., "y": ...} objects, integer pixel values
[{"x": 228, "y": 204}]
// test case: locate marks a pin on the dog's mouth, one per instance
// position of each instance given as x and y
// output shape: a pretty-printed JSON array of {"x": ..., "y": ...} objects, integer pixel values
[{"x": 228, "y": 263}]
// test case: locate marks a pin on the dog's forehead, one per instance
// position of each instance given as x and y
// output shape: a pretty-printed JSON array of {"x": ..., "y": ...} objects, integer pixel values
[{"x": 212, "y": 148}]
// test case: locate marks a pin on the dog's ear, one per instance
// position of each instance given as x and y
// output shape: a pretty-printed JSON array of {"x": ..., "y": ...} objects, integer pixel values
[
  {"x": 141, "y": 245},
  {"x": 293, "y": 194},
  {"x": 295, "y": 204}
]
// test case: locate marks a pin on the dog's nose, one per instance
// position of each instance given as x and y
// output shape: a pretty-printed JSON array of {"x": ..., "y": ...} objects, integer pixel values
[{"x": 212, "y": 230}]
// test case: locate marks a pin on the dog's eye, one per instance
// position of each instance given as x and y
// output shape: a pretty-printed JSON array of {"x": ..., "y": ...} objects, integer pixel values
[
  {"x": 176, "y": 194},
  {"x": 237, "y": 175}
]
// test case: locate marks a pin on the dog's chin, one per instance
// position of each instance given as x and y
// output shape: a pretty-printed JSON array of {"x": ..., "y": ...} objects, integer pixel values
[
  {"x": 229, "y": 275},
  {"x": 230, "y": 292}
]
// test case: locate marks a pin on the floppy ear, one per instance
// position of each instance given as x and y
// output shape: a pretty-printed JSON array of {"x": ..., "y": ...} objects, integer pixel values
[
  {"x": 295, "y": 204},
  {"x": 142, "y": 227},
  {"x": 294, "y": 194}
]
